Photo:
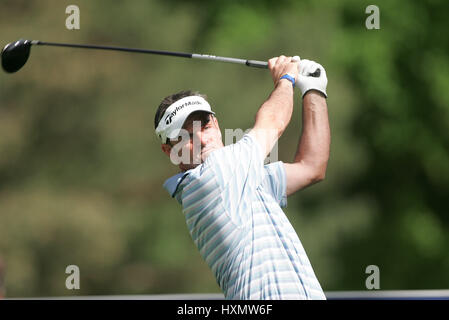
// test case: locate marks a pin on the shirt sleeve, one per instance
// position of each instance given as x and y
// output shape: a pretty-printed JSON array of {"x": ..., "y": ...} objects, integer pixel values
[
  {"x": 239, "y": 162},
  {"x": 239, "y": 170},
  {"x": 275, "y": 182}
]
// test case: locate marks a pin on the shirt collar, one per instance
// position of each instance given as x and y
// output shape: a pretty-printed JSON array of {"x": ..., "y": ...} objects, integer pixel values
[{"x": 171, "y": 184}]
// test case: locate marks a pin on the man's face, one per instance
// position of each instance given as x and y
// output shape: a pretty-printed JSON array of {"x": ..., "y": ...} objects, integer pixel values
[{"x": 204, "y": 136}]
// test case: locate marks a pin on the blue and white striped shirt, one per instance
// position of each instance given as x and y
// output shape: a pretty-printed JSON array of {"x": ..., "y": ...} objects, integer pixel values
[{"x": 232, "y": 206}]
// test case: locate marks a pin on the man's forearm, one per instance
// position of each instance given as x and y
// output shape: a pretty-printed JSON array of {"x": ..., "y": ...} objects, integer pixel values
[
  {"x": 314, "y": 144},
  {"x": 278, "y": 108},
  {"x": 274, "y": 115}
]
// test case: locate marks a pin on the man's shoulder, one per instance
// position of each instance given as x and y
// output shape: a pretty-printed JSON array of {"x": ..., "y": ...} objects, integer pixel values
[
  {"x": 190, "y": 180},
  {"x": 218, "y": 167},
  {"x": 232, "y": 154}
]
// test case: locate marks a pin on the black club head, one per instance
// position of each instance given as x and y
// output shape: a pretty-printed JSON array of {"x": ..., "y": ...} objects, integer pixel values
[{"x": 15, "y": 55}]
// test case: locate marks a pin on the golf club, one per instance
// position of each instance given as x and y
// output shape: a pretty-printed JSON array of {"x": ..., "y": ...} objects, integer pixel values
[{"x": 15, "y": 54}]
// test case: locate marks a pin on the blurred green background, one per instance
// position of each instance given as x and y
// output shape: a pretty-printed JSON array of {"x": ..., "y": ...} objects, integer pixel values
[{"x": 81, "y": 170}]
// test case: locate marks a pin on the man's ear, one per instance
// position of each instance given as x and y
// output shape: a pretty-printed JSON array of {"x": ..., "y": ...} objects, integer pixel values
[{"x": 166, "y": 148}]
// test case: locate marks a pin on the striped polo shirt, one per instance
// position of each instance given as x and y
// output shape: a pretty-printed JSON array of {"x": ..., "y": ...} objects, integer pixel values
[{"x": 232, "y": 206}]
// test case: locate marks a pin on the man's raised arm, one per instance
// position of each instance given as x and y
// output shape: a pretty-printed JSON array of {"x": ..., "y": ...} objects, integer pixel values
[
  {"x": 313, "y": 151},
  {"x": 275, "y": 113}
]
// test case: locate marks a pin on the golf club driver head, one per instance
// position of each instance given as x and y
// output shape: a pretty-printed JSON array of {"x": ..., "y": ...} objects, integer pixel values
[{"x": 15, "y": 55}]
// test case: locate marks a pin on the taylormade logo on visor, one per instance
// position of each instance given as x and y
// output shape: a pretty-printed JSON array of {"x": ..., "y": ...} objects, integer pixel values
[
  {"x": 169, "y": 117},
  {"x": 175, "y": 115}
]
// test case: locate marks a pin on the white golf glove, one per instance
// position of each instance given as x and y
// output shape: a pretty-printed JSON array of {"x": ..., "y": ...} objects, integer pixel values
[{"x": 305, "y": 81}]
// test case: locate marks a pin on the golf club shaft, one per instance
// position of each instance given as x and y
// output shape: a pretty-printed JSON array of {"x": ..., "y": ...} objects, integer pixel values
[{"x": 250, "y": 63}]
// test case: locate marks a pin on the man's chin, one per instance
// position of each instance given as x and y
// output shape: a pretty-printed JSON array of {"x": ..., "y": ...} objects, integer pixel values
[{"x": 185, "y": 167}]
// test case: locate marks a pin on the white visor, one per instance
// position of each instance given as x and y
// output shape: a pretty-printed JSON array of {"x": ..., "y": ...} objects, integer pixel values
[{"x": 176, "y": 114}]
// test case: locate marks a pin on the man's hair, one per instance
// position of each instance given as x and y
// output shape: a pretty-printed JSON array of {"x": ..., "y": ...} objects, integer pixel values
[{"x": 168, "y": 101}]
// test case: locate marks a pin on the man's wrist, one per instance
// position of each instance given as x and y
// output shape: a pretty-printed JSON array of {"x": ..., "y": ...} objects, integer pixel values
[
  {"x": 289, "y": 78},
  {"x": 314, "y": 97},
  {"x": 284, "y": 83},
  {"x": 314, "y": 92}
]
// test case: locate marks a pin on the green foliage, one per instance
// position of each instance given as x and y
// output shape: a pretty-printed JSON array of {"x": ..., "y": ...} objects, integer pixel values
[
  {"x": 81, "y": 170},
  {"x": 402, "y": 121}
]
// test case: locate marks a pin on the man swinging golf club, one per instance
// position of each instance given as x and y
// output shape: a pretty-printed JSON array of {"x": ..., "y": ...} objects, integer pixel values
[{"x": 232, "y": 201}]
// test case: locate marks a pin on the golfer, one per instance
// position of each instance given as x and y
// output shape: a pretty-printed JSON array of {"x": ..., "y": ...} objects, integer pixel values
[{"x": 232, "y": 201}]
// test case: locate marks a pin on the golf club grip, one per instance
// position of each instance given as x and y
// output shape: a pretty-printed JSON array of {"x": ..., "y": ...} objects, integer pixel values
[
  {"x": 257, "y": 64},
  {"x": 264, "y": 65}
]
